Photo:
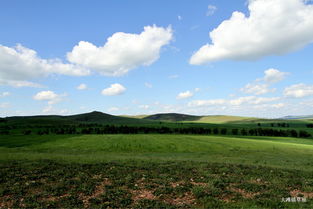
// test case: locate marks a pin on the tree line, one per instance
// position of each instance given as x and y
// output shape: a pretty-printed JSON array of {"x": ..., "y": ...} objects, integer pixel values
[{"x": 124, "y": 129}]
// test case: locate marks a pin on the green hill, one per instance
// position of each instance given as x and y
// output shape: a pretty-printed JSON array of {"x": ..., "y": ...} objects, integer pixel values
[
  {"x": 225, "y": 119},
  {"x": 92, "y": 117},
  {"x": 175, "y": 117}
]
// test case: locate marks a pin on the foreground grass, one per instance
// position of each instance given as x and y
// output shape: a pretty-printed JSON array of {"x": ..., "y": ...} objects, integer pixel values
[
  {"x": 267, "y": 151},
  {"x": 143, "y": 184},
  {"x": 154, "y": 171}
]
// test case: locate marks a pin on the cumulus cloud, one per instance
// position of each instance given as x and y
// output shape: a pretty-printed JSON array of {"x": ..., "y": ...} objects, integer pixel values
[
  {"x": 123, "y": 51},
  {"x": 50, "y": 110},
  {"x": 198, "y": 103},
  {"x": 4, "y": 94},
  {"x": 211, "y": 10},
  {"x": 273, "y": 27},
  {"x": 81, "y": 87},
  {"x": 184, "y": 95},
  {"x": 262, "y": 85},
  {"x": 250, "y": 100},
  {"x": 20, "y": 64},
  {"x": 49, "y": 96},
  {"x": 114, "y": 89},
  {"x": 257, "y": 89},
  {"x": 298, "y": 90},
  {"x": 278, "y": 105},
  {"x": 273, "y": 75}
]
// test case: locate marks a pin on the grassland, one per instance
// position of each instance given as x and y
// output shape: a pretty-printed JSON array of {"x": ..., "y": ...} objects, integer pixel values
[
  {"x": 171, "y": 171},
  {"x": 271, "y": 151},
  {"x": 154, "y": 170}
]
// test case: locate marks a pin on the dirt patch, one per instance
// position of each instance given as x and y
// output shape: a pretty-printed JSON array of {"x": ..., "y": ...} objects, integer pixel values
[
  {"x": 5, "y": 202},
  {"x": 176, "y": 184},
  {"x": 202, "y": 184},
  {"x": 186, "y": 199},
  {"x": 142, "y": 194},
  {"x": 245, "y": 194},
  {"x": 97, "y": 192},
  {"x": 54, "y": 198},
  {"x": 298, "y": 193},
  {"x": 227, "y": 198},
  {"x": 258, "y": 181}
]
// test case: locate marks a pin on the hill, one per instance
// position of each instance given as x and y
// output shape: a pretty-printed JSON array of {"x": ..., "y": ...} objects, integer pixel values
[
  {"x": 225, "y": 119},
  {"x": 92, "y": 117},
  {"x": 175, "y": 117},
  {"x": 297, "y": 117}
]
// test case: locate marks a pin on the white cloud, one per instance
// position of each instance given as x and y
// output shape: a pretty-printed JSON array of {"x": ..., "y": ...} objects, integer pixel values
[
  {"x": 122, "y": 51},
  {"x": 49, "y": 96},
  {"x": 198, "y": 103},
  {"x": 20, "y": 64},
  {"x": 273, "y": 75},
  {"x": 19, "y": 84},
  {"x": 278, "y": 105},
  {"x": 261, "y": 85},
  {"x": 144, "y": 107},
  {"x": 249, "y": 100},
  {"x": 298, "y": 90},
  {"x": 184, "y": 95},
  {"x": 257, "y": 89},
  {"x": 197, "y": 89},
  {"x": 273, "y": 27},
  {"x": 50, "y": 110},
  {"x": 252, "y": 100},
  {"x": 4, "y": 94},
  {"x": 114, "y": 89},
  {"x": 81, "y": 87},
  {"x": 148, "y": 85},
  {"x": 211, "y": 10}
]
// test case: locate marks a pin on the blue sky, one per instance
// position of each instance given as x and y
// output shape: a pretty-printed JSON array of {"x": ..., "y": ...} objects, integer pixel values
[{"x": 248, "y": 58}]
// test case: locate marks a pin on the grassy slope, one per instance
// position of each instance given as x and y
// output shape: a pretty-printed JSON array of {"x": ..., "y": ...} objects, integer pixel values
[
  {"x": 224, "y": 119},
  {"x": 154, "y": 171},
  {"x": 174, "y": 117},
  {"x": 277, "y": 152},
  {"x": 92, "y": 117}
]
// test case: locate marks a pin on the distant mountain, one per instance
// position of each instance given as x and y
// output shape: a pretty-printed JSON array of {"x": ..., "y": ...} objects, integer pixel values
[
  {"x": 174, "y": 117},
  {"x": 92, "y": 117},
  {"x": 293, "y": 117},
  {"x": 103, "y": 118}
]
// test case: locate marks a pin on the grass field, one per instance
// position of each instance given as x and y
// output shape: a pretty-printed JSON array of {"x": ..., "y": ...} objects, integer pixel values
[{"x": 156, "y": 171}]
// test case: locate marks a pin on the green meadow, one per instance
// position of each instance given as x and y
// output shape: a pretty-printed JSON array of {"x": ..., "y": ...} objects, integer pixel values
[
  {"x": 154, "y": 170},
  {"x": 167, "y": 171},
  {"x": 292, "y": 153}
]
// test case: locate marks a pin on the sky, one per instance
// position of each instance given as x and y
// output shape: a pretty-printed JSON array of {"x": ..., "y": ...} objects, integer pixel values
[{"x": 204, "y": 57}]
